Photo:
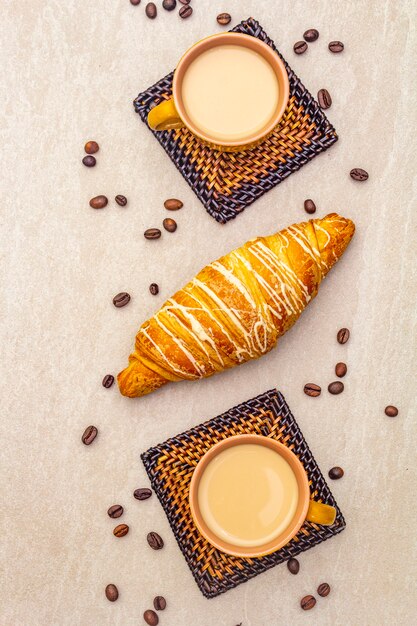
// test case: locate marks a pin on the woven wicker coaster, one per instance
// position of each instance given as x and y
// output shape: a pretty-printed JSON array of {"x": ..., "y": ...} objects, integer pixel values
[
  {"x": 228, "y": 182},
  {"x": 170, "y": 466}
]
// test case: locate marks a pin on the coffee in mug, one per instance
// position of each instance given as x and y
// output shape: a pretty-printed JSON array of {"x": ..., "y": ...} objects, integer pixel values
[
  {"x": 249, "y": 496},
  {"x": 230, "y": 90}
]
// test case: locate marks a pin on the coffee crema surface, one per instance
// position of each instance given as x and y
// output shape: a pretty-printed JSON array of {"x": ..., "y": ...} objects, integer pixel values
[
  {"x": 248, "y": 495},
  {"x": 230, "y": 92}
]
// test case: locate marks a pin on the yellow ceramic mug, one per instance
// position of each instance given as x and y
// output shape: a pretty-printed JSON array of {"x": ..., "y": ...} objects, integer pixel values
[
  {"x": 230, "y": 90},
  {"x": 252, "y": 493}
]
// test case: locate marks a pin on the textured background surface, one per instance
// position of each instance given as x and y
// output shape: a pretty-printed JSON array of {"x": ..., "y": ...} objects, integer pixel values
[{"x": 71, "y": 70}]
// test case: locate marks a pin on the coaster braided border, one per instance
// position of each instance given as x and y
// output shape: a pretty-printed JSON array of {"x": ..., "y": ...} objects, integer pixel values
[{"x": 170, "y": 466}]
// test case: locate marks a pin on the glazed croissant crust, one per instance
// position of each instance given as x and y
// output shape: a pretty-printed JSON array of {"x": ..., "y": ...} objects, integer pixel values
[{"x": 236, "y": 307}]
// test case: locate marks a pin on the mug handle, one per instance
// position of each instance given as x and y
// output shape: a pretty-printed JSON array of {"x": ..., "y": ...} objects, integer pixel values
[
  {"x": 165, "y": 116},
  {"x": 320, "y": 513}
]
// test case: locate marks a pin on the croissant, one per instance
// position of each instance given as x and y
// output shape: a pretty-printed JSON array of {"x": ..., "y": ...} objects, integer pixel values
[{"x": 235, "y": 308}]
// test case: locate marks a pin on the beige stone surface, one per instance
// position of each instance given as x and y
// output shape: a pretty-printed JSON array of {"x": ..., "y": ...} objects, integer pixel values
[{"x": 70, "y": 72}]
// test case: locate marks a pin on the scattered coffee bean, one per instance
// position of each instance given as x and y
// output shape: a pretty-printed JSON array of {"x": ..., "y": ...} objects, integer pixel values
[
  {"x": 293, "y": 566},
  {"x": 151, "y": 10},
  {"x": 324, "y": 98},
  {"x": 142, "y": 493},
  {"x": 359, "y": 174},
  {"x": 112, "y": 593},
  {"x": 336, "y": 46},
  {"x": 308, "y": 602},
  {"x": 170, "y": 225},
  {"x": 185, "y": 11},
  {"x": 185, "y": 1},
  {"x": 172, "y": 204},
  {"x": 224, "y": 18},
  {"x": 300, "y": 47},
  {"x": 98, "y": 202},
  {"x": 115, "y": 511},
  {"x": 154, "y": 289},
  {"x": 323, "y": 590},
  {"x": 159, "y": 603},
  {"x": 107, "y": 381},
  {"x": 310, "y": 389},
  {"x": 343, "y": 335},
  {"x": 91, "y": 147},
  {"x": 155, "y": 541},
  {"x": 151, "y": 618},
  {"x": 121, "y": 530},
  {"x": 152, "y": 233},
  {"x": 309, "y": 206},
  {"x": 121, "y": 299},
  {"x": 135, "y": 2},
  {"x": 335, "y": 473},
  {"x": 89, "y": 435},
  {"x": 121, "y": 200},
  {"x": 169, "y": 5},
  {"x": 391, "y": 411},
  {"x": 89, "y": 161},
  {"x": 340, "y": 369},
  {"x": 336, "y": 387},
  {"x": 311, "y": 35}
]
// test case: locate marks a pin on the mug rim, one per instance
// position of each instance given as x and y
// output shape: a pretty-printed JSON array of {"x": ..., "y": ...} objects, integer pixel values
[
  {"x": 273, "y": 59},
  {"x": 299, "y": 516}
]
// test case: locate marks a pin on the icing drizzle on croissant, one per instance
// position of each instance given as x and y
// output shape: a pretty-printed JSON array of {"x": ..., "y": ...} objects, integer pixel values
[{"x": 236, "y": 307}]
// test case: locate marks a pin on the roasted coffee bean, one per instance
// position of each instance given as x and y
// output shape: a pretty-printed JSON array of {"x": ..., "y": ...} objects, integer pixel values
[
  {"x": 359, "y": 174},
  {"x": 152, "y": 233},
  {"x": 336, "y": 387},
  {"x": 170, "y": 225},
  {"x": 135, "y": 2},
  {"x": 335, "y": 473},
  {"x": 308, "y": 602},
  {"x": 340, "y": 369},
  {"x": 142, "y": 493},
  {"x": 293, "y": 566},
  {"x": 185, "y": 11},
  {"x": 300, "y": 47},
  {"x": 89, "y": 435},
  {"x": 159, "y": 603},
  {"x": 115, "y": 511},
  {"x": 324, "y": 99},
  {"x": 185, "y": 1},
  {"x": 154, "y": 289},
  {"x": 311, "y": 35},
  {"x": 391, "y": 411},
  {"x": 169, "y": 5},
  {"x": 151, "y": 617},
  {"x": 151, "y": 10},
  {"x": 336, "y": 46},
  {"x": 121, "y": 200},
  {"x": 112, "y": 593},
  {"x": 323, "y": 590},
  {"x": 343, "y": 335},
  {"x": 309, "y": 206},
  {"x": 121, "y": 530},
  {"x": 98, "y": 202},
  {"x": 107, "y": 381},
  {"x": 224, "y": 18},
  {"x": 91, "y": 147},
  {"x": 121, "y": 299},
  {"x": 155, "y": 541},
  {"x": 310, "y": 389},
  {"x": 89, "y": 161},
  {"x": 172, "y": 204}
]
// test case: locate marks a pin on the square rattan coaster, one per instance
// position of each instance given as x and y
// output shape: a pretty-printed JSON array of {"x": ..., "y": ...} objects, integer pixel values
[
  {"x": 227, "y": 182},
  {"x": 170, "y": 466}
]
